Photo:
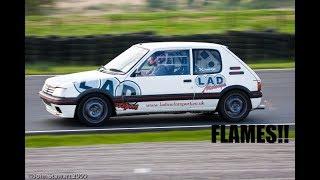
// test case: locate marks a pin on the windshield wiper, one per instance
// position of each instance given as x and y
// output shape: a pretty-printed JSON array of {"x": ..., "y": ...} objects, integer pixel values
[
  {"x": 103, "y": 69},
  {"x": 115, "y": 70}
]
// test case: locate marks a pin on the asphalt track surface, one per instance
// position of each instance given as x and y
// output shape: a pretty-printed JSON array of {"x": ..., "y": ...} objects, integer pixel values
[
  {"x": 182, "y": 160},
  {"x": 278, "y": 96}
]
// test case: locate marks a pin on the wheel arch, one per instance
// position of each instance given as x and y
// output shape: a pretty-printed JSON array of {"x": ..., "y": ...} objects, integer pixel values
[
  {"x": 96, "y": 91},
  {"x": 236, "y": 88}
]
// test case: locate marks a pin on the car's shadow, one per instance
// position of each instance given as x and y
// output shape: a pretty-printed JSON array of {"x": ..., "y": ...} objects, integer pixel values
[{"x": 146, "y": 121}]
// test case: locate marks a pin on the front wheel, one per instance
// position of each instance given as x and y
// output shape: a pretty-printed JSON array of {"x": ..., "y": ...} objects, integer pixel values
[
  {"x": 94, "y": 110},
  {"x": 234, "y": 106}
]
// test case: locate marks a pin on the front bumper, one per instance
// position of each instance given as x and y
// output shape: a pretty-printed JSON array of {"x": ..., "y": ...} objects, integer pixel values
[
  {"x": 255, "y": 94},
  {"x": 57, "y": 100},
  {"x": 59, "y": 106},
  {"x": 256, "y": 103}
]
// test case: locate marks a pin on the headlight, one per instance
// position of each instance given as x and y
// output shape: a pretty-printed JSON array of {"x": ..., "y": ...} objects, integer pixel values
[{"x": 59, "y": 91}]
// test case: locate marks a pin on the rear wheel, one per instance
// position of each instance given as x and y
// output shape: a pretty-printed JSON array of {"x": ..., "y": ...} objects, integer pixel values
[
  {"x": 234, "y": 106},
  {"x": 94, "y": 110}
]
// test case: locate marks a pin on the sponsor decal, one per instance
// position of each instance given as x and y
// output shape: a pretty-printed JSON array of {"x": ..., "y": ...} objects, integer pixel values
[
  {"x": 106, "y": 84},
  {"x": 82, "y": 86},
  {"x": 208, "y": 88},
  {"x": 174, "y": 103},
  {"x": 126, "y": 105},
  {"x": 109, "y": 85},
  {"x": 112, "y": 86},
  {"x": 250, "y": 133},
  {"x": 128, "y": 88},
  {"x": 210, "y": 82}
]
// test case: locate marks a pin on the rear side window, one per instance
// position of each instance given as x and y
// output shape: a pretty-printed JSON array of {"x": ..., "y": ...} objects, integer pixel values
[{"x": 206, "y": 61}]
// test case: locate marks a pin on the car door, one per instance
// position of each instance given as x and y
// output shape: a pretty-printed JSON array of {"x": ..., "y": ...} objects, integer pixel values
[
  {"x": 164, "y": 82},
  {"x": 207, "y": 67}
]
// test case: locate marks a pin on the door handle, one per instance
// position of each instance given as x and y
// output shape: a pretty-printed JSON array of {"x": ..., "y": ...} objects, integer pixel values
[{"x": 187, "y": 80}]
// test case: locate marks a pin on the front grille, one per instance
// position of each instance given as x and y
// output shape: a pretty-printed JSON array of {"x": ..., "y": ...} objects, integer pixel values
[{"x": 48, "y": 89}]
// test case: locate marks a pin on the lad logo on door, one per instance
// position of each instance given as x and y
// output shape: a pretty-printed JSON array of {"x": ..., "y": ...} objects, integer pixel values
[{"x": 210, "y": 82}]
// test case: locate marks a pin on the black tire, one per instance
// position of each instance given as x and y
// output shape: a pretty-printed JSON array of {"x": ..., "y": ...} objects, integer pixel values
[
  {"x": 94, "y": 110},
  {"x": 234, "y": 106}
]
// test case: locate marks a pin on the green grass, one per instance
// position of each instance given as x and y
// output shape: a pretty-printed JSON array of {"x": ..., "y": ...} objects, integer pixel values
[
  {"x": 38, "y": 141},
  {"x": 118, "y": 138},
  {"x": 162, "y": 23},
  {"x": 272, "y": 64},
  {"x": 36, "y": 69}
]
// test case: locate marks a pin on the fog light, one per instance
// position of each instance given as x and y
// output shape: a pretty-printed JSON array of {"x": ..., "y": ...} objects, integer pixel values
[{"x": 58, "y": 109}]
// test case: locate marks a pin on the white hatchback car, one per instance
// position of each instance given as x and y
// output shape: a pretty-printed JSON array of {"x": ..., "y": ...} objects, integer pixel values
[{"x": 162, "y": 77}]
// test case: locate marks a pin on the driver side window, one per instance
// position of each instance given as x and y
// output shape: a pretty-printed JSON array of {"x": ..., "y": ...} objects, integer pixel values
[{"x": 166, "y": 63}]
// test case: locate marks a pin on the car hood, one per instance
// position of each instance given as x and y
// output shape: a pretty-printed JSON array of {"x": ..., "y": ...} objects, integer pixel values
[{"x": 62, "y": 80}]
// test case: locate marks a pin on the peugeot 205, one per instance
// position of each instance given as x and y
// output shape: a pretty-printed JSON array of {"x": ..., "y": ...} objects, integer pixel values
[{"x": 162, "y": 77}]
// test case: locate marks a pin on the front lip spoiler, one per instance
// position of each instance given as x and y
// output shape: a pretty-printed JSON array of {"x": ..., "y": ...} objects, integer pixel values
[{"x": 57, "y": 100}]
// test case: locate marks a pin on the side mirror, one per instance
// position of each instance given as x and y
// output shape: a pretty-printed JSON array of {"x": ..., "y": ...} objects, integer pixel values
[{"x": 136, "y": 73}]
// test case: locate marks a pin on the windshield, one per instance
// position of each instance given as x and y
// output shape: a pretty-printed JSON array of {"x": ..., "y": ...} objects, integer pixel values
[{"x": 124, "y": 61}]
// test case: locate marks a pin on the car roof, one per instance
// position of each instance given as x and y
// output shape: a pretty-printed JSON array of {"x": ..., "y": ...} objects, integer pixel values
[{"x": 160, "y": 45}]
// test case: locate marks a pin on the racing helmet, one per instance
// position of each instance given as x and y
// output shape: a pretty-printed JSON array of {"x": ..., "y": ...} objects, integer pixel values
[{"x": 156, "y": 58}]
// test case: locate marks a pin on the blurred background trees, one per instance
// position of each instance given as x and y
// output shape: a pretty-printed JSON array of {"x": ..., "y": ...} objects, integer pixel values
[
  {"x": 95, "y": 30},
  {"x": 37, "y": 7},
  {"x": 46, "y": 7}
]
